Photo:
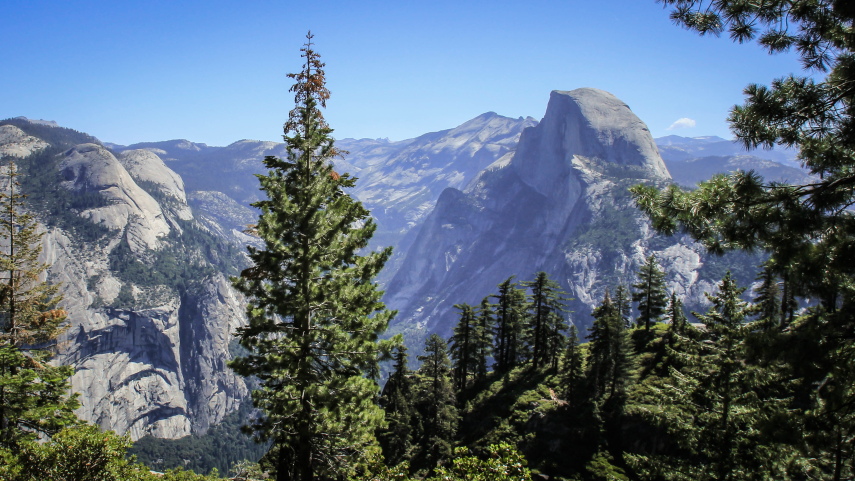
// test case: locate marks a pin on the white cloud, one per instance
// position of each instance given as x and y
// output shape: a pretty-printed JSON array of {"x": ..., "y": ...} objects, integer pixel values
[{"x": 684, "y": 123}]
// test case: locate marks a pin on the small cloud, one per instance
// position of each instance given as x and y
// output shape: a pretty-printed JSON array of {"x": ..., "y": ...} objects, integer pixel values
[{"x": 684, "y": 123}]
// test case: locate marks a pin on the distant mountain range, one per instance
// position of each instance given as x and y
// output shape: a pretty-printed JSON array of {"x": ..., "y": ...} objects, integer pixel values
[{"x": 144, "y": 237}]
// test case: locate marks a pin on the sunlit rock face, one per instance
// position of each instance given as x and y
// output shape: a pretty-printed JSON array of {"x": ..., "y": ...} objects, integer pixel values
[{"x": 150, "y": 356}]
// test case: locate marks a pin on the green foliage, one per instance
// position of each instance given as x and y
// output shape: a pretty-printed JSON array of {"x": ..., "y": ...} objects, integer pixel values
[
  {"x": 649, "y": 293},
  {"x": 314, "y": 312},
  {"x": 545, "y": 330},
  {"x": 33, "y": 394},
  {"x": 437, "y": 413},
  {"x": 504, "y": 463},
  {"x": 510, "y": 313},
  {"x": 396, "y": 438},
  {"x": 77, "y": 454},
  {"x": 713, "y": 407}
]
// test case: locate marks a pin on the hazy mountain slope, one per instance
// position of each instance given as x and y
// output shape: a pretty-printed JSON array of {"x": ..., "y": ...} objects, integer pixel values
[
  {"x": 399, "y": 182},
  {"x": 677, "y": 148},
  {"x": 559, "y": 204}
]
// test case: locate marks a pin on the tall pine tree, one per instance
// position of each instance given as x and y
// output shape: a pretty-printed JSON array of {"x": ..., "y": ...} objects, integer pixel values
[
  {"x": 34, "y": 398},
  {"x": 436, "y": 405},
  {"x": 650, "y": 293},
  {"x": 546, "y": 325},
  {"x": 510, "y": 313},
  {"x": 463, "y": 347},
  {"x": 314, "y": 311}
]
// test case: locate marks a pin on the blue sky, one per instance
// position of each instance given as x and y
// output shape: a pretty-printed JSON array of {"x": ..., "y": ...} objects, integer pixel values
[{"x": 214, "y": 71}]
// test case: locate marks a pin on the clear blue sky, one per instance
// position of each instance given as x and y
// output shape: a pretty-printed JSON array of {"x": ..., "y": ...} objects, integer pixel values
[{"x": 214, "y": 71}]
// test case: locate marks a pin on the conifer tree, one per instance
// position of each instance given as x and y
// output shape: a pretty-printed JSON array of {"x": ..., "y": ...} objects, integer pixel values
[
  {"x": 713, "y": 406},
  {"x": 33, "y": 394},
  {"x": 314, "y": 311},
  {"x": 574, "y": 367},
  {"x": 622, "y": 304},
  {"x": 510, "y": 305},
  {"x": 463, "y": 347},
  {"x": 396, "y": 438},
  {"x": 650, "y": 293},
  {"x": 546, "y": 325},
  {"x": 436, "y": 404},
  {"x": 483, "y": 337},
  {"x": 767, "y": 297}
]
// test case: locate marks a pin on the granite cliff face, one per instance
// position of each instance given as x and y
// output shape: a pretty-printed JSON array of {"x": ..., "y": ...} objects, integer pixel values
[
  {"x": 558, "y": 204},
  {"x": 149, "y": 340}
]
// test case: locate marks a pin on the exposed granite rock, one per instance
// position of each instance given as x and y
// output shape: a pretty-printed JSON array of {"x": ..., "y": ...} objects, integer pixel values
[
  {"x": 146, "y": 166},
  {"x": 14, "y": 142},
  {"x": 90, "y": 168}
]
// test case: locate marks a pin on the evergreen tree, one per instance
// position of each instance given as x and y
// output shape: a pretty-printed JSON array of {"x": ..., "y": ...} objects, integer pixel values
[
  {"x": 622, "y": 304},
  {"x": 436, "y": 405},
  {"x": 463, "y": 347},
  {"x": 713, "y": 406},
  {"x": 510, "y": 311},
  {"x": 396, "y": 438},
  {"x": 767, "y": 296},
  {"x": 650, "y": 293},
  {"x": 483, "y": 338},
  {"x": 677, "y": 322},
  {"x": 574, "y": 368},
  {"x": 314, "y": 312},
  {"x": 33, "y": 394},
  {"x": 808, "y": 229},
  {"x": 609, "y": 364},
  {"x": 546, "y": 325}
]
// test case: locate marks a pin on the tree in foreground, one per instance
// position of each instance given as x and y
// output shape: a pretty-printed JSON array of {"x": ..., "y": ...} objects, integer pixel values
[
  {"x": 34, "y": 397},
  {"x": 314, "y": 311},
  {"x": 808, "y": 229},
  {"x": 713, "y": 407}
]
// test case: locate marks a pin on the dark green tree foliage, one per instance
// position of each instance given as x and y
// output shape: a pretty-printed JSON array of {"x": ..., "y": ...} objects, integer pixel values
[
  {"x": 809, "y": 230},
  {"x": 622, "y": 304},
  {"x": 436, "y": 405},
  {"x": 574, "y": 368},
  {"x": 603, "y": 340},
  {"x": 510, "y": 312},
  {"x": 463, "y": 347},
  {"x": 713, "y": 407},
  {"x": 677, "y": 322},
  {"x": 649, "y": 292},
  {"x": 767, "y": 297},
  {"x": 314, "y": 312},
  {"x": 33, "y": 394},
  {"x": 804, "y": 225},
  {"x": 483, "y": 338},
  {"x": 545, "y": 328},
  {"x": 396, "y": 438}
]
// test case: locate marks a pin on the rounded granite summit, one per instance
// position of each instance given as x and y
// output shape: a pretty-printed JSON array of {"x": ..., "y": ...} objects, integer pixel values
[{"x": 591, "y": 124}]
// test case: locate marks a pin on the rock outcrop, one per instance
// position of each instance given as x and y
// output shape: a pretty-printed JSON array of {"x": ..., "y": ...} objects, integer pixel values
[
  {"x": 15, "y": 143},
  {"x": 151, "y": 320},
  {"x": 91, "y": 169}
]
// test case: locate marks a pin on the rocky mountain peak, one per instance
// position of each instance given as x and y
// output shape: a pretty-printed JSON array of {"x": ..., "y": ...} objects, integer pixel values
[{"x": 585, "y": 126}]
